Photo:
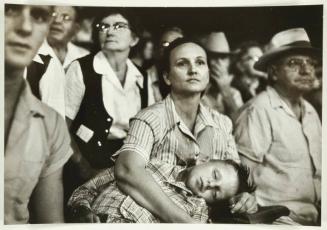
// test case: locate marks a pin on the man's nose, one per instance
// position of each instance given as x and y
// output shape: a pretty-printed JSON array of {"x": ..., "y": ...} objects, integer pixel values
[{"x": 306, "y": 68}]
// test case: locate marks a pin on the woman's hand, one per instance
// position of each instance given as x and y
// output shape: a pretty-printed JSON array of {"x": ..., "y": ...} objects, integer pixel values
[{"x": 243, "y": 203}]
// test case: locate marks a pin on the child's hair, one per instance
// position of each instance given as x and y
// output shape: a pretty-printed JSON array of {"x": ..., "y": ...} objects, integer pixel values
[{"x": 243, "y": 173}]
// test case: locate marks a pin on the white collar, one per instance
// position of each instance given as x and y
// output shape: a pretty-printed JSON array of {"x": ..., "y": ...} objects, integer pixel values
[{"x": 102, "y": 67}]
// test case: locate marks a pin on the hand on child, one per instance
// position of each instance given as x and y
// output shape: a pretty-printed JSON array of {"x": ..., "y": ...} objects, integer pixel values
[{"x": 243, "y": 203}]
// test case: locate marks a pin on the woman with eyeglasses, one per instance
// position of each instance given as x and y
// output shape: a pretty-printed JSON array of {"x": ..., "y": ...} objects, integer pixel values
[{"x": 103, "y": 91}]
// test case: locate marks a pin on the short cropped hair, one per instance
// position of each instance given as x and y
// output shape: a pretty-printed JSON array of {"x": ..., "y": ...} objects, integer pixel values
[{"x": 243, "y": 173}]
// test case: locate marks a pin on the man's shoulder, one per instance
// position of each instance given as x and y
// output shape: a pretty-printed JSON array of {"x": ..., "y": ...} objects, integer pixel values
[{"x": 260, "y": 101}]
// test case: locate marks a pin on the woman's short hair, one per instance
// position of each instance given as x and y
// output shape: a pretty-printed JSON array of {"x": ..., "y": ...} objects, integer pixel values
[{"x": 131, "y": 18}]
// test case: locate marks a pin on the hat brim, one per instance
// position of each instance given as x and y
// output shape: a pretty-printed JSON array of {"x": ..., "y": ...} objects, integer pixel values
[
  {"x": 267, "y": 58},
  {"x": 221, "y": 53}
]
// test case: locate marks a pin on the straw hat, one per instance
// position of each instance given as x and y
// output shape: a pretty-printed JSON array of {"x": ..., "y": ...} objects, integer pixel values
[
  {"x": 294, "y": 40},
  {"x": 216, "y": 43}
]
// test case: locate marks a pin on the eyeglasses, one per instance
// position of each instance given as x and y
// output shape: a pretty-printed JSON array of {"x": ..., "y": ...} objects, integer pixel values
[
  {"x": 296, "y": 63},
  {"x": 62, "y": 17},
  {"x": 119, "y": 26}
]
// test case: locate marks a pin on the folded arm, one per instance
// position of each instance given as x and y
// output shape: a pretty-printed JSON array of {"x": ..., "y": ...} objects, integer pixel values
[{"x": 133, "y": 179}]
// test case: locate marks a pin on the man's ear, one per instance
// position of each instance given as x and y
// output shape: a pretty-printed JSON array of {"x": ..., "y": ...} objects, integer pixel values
[{"x": 166, "y": 78}]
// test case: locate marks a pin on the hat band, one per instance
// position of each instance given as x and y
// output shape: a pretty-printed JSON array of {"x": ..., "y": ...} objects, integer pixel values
[{"x": 299, "y": 44}]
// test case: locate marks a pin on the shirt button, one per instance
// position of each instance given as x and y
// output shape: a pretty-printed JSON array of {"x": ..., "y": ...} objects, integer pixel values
[
  {"x": 99, "y": 143},
  {"x": 109, "y": 119},
  {"x": 107, "y": 130}
]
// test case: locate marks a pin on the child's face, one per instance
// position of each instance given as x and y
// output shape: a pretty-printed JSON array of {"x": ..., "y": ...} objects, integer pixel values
[{"x": 213, "y": 181}]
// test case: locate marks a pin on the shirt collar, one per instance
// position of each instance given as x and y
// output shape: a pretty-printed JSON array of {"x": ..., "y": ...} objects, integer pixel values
[
  {"x": 204, "y": 116},
  {"x": 46, "y": 49},
  {"x": 29, "y": 103},
  {"x": 168, "y": 173},
  {"x": 277, "y": 102},
  {"x": 102, "y": 67}
]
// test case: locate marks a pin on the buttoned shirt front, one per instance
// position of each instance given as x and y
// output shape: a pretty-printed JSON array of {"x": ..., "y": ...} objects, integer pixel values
[
  {"x": 103, "y": 197},
  {"x": 157, "y": 132},
  {"x": 121, "y": 103},
  {"x": 288, "y": 153},
  {"x": 37, "y": 146}
]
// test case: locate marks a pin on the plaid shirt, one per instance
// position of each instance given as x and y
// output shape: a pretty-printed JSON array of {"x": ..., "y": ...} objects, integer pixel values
[{"x": 103, "y": 197}]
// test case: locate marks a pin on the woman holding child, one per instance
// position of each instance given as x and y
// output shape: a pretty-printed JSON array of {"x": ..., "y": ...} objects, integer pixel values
[{"x": 179, "y": 131}]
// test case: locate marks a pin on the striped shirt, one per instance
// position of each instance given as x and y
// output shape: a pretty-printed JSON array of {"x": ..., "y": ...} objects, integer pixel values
[
  {"x": 103, "y": 197},
  {"x": 157, "y": 132}
]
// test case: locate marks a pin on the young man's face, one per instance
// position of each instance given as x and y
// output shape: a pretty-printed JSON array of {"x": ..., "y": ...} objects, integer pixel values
[
  {"x": 214, "y": 181},
  {"x": 25, "y": 29}
]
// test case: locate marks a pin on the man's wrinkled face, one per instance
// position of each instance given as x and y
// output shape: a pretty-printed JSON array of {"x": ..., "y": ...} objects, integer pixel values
[
  {"x": 296, "y": 72},
  {"x": 64, "y": 25}
]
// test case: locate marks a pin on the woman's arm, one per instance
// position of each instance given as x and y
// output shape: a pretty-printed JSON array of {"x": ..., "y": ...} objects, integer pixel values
[{"x": 133, "y": 179}]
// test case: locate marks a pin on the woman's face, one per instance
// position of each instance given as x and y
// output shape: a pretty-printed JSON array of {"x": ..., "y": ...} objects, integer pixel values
[
  {"x": 115, "y": 34},
  {"x": 189, "y": 72}
]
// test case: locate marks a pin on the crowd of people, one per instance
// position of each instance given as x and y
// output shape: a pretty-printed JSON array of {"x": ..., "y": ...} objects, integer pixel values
[{"x": 133, "y": 129}]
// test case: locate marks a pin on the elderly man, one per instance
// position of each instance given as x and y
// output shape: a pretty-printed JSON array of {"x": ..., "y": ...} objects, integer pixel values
[
  {"x": 36, "y": 137},
  {"x": 279, "y": 133},
  {"x": 46, "y": 74},
  {"x": 66, "y": 23}
]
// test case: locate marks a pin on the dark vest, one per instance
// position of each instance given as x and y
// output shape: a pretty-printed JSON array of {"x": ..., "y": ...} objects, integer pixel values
[
  {"x": 35, "y": 72},
  {"x": 93, "y": 115}
]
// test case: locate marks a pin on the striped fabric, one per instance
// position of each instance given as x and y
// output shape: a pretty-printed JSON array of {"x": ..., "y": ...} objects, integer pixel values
[
  {"x": 158, "y": 132},
  {"x": 103, "y": 197}
]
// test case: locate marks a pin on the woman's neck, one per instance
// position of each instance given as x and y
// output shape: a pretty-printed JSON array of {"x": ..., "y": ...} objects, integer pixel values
[
  {"x": 187, "y": 108},
  {"x": 117, "y": 61}
]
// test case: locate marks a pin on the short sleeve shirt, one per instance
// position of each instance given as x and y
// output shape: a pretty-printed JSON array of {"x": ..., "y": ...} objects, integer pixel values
[
  {"x": 287, "y": 150},
  {"x": 38, "y": 145},
  {"x": 157, "y": 132}
]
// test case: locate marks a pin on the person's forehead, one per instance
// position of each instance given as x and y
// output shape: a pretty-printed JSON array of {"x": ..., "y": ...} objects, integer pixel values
[
  {"x": 112, "y": 18},
  {"x": 188, "y": 50},
  {"x": 65, "y": 9},
  {"x": 254, "y": 50}
]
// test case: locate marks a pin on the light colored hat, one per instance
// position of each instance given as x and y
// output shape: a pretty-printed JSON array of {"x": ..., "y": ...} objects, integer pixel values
[
  {"x": 294, "y": 40},
  {"x": 217, "y": 43}
]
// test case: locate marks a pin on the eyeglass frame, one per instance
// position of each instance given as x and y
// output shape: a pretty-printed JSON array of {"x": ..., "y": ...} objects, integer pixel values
[
  {"x": 118, "y": 26},
  {"x": 296, "y": 64},
  {"x": 63, "y": 17}
]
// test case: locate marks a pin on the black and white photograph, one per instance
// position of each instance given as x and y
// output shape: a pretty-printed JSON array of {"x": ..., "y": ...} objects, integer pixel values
[{"x": 120, "y": 112}]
